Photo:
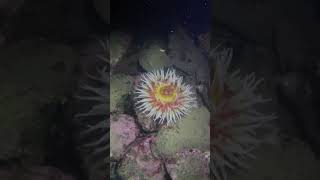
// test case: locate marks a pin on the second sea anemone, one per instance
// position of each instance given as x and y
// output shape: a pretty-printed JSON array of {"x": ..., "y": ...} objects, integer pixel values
[{"x": 237, "y": 126}]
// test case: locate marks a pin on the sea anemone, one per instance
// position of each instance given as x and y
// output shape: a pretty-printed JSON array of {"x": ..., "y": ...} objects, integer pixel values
[
  {"x": 92, "y": 116},
  {"x": 236, "y": 125},
  {"x": 162, "y": 96}
]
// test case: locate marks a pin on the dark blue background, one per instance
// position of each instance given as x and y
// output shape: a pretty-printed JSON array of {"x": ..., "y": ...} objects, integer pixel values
[{"x": 160, "y": 16}]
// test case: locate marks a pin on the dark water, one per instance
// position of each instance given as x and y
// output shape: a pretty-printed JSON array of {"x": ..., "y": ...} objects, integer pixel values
[{"x": 150, "y": 18}]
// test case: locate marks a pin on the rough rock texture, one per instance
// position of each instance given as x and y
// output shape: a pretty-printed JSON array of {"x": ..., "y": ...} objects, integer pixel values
[
  {"x": 192, "y": 131},
  {"x": 119, "y": 44},
  {"x": 186, "y": 56},
  {"x": 190, "y": 164},
  {"x": 120, "y": 86},
  {"x": 146, "y": 123},
  {"x": 123, "y": 132},
  {"x": 140, "y": 163},
  {"x": 154, "y": 57}
]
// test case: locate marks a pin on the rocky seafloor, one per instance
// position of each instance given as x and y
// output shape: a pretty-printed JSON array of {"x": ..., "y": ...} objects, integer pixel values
[
  {"x": 140, "y": 148},
  {"x": 39, "y": 139}
]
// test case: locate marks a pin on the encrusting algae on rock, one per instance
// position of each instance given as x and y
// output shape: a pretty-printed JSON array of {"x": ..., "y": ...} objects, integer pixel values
[
  {"x": 120, "y": 86},
  {"x": 192, "y": 131}
]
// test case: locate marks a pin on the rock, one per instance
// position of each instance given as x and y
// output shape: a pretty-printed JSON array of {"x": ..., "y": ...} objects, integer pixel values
[
  {"x": 154, "y": 57},
  {"x": 119, "y": 44},
  {"x": 187, "y": 57},
  {"x": 120, "y": 86},
  {"x": 123, "y": 132},
  {"x": 140, "y": 163},
  {"x": 146, "y": 123},
  {"x": 190, "y": 164},
  {"x": 192, "y": 131}
]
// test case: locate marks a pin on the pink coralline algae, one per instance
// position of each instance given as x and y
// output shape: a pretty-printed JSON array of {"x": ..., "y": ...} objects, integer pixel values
[
  {"x": 189, "y": 163},
  {"x": 140, "y": 163},
  {"x": 123, "y": 132}
]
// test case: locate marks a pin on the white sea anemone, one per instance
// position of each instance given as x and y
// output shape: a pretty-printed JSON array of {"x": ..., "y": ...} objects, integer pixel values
[
  {"x": 162, "y": 96},
  {"x": 236, "y": 123}
]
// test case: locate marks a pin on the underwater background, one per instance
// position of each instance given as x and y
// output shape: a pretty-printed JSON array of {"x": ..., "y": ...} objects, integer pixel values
[{"x": 183, "y": 89}]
